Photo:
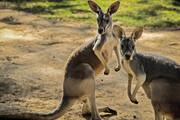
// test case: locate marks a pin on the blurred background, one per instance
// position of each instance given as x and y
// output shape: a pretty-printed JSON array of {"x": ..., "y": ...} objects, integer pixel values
[{"x": 151, "y": 13}]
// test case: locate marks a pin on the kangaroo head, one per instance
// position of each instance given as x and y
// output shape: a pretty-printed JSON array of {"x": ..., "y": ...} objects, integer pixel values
[
  {"x": 104, "y": 20},
  {"x": 127, "y": 46}
]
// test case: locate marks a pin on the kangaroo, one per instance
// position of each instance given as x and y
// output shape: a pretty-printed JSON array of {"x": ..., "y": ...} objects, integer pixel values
[
  {"x": 159, "y": 76},
  {"x": 82, "y": 66}
]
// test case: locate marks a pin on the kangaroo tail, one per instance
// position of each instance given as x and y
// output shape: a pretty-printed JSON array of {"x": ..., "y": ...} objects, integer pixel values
[{"x": 66, "y": 104}]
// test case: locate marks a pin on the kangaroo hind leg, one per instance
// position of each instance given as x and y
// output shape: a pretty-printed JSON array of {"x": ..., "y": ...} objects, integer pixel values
[{"x": 86, "y": 111}]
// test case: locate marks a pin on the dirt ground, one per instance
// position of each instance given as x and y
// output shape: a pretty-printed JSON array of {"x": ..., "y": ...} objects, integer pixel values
[{"x": 33, "y": 52}]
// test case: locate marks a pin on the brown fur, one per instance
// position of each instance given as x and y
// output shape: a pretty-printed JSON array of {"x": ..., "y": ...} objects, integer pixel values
[{"x": 84, "y": 54}]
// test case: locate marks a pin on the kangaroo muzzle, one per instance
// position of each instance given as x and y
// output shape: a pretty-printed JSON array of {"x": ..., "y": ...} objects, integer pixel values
[
  {"x": 101, "y": 30},
  {"x": 128, "y": 56}
]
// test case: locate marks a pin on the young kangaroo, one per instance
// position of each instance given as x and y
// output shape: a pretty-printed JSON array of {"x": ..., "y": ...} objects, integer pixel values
[
  {"x": 159, "y": 76},
  {"x": 86, "y": 62}
]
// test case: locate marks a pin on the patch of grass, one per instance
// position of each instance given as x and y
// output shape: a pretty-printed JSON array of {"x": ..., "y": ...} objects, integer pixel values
[{"x": 153, "y": 13}]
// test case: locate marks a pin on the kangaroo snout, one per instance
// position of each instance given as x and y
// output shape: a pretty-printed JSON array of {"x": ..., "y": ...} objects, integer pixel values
[
  {"x": 127, "y": 56},
  {"x": 100, "y": 30}
]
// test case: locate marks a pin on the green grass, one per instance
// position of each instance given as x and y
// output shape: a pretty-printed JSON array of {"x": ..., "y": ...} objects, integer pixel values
[{"x": 153, "y": 13}]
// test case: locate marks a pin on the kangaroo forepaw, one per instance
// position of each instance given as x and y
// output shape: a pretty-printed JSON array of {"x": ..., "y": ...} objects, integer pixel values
[
  {"x": 134, "y": 101},
  {"x": 106, "y": 72},
  {"x": 117, "y": 68}
]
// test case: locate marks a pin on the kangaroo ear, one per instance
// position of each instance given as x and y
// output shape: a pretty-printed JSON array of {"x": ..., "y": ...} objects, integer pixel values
[
  {"x": 113, "y": 8},
  {"x": 136, "y": 34},
  {"x": 119, "y": 32},
  {"x": 94, "y": 7}
]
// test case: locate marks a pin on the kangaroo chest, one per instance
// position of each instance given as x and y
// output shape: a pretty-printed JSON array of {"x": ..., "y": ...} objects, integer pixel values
[
  {"x": 127, "y": 67},
  {"x": 108, "y": 48}
]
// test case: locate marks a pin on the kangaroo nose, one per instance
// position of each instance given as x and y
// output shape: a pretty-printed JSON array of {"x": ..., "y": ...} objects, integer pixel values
[
  {"x": 100, "y": 30},
  {"x": 127, "y": 56}
]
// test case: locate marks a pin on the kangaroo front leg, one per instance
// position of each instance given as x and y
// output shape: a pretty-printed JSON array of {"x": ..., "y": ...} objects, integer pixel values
[
  {"x": 118, "y": 67},
  {"x": 129, "y": 88},
  {"x": 140, "y": 80},
  {"x": 97, "y": 50}
]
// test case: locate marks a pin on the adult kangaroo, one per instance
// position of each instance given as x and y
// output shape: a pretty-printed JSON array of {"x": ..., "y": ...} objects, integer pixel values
[
  {"x": 82, "y": 66},
  {"x": 159, "y": 76}
]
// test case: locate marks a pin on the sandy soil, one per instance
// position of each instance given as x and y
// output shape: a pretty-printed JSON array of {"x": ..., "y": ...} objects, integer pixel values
[{"x": 33, "y": 52}]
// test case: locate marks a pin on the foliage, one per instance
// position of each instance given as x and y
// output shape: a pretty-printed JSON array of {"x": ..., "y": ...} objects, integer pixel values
[{"x": 154, "y": 13}]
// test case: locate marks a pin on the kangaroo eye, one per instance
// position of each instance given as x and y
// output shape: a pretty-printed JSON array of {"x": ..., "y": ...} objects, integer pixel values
[
  {"x": 98, "y": 19},
  {"x": 132, "y": 47},
  {"x": 122, "y": 46},
  {"x": 107, "y": 20}
]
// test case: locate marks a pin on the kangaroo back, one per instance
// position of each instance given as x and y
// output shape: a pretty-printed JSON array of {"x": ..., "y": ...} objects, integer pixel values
[{"x": 165, "y": 97}]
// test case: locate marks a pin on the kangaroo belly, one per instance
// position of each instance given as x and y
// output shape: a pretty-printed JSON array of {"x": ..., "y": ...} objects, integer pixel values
[
  {"x": 107, "y": 51},
  {"x": 98, "y": 68},
  {"x": 95, "y": 62},
  {"x": 85, "y": 54},
  {"x": 165, "y": 97},
  {"x": 106, "y": 54}
]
